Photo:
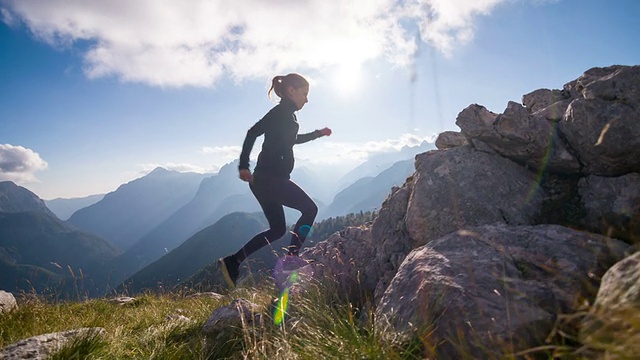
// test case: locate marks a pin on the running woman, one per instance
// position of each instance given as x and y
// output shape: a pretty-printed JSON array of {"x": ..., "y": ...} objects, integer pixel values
[{"x": 270, "y": 182}]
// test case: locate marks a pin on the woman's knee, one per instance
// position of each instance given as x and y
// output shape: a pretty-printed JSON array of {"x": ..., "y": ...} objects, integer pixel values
[
  {"x": 278, "y": 231},
  {"x": 312, "y": 210}
]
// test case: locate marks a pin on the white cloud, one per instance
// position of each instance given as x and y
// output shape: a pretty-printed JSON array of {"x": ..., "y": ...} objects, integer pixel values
[
  {"x": 195, "y": 43},
  {"x": 19, "y": 164},
  {"x": 448, "y": 24},
  {"x": 213, "y": 159},
  {"x": 222, "y": 155},
  {"x": 7, "y": 18},
  {"x": 390, "y": 145},
  {"x": 226, "y": 152},
  {"x": 353, "y": 153}
]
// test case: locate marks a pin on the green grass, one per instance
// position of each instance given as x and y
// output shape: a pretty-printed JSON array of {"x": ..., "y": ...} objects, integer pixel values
[
  {"x": 316, "y": 326},
  {"x": 135, "y": 331},
  {"x": 319, "y": 325}
]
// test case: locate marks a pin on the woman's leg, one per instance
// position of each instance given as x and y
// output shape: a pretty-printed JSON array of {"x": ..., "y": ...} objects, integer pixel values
[
  {"x": 277, "y": 228},
  {"x": 272, "y": 193},
  {"x": 266, "y": 189},
  {"x": 296, "y": 198},
  {"x": 262, "y": 188}
]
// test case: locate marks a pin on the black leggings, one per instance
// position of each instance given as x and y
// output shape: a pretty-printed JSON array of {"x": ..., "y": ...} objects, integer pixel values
[{"x": 273, "y": 193}]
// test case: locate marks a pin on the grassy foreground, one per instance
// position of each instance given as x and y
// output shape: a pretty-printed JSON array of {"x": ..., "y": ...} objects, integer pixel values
[
  {"x": 319, "y": 326},
  {"x": 168, "y": 326}
]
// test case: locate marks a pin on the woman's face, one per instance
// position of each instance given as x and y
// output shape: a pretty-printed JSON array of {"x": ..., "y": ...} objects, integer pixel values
[{"x": 299, "y": 96}]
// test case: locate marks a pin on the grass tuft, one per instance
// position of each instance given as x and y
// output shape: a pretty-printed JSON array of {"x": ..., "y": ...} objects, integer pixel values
[{"x": 83, "y": 347}]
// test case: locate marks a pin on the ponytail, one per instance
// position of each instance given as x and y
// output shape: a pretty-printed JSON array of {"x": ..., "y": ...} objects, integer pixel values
[
  {"x": 280, "y": 83},
  {"x": 276, "y": 86}
]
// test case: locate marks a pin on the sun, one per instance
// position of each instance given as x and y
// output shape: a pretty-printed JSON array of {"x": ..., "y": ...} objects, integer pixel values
[{"x": 347, "y": 78}]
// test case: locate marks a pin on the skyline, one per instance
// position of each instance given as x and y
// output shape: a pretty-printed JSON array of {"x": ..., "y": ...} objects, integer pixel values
[{"x": 97, "y": 93}]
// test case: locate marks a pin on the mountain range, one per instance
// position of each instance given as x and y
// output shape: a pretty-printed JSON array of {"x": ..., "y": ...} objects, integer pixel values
[
  {"x": 128, "y": 213},
  {"x": 153, "y": 229},
  {"x": 216, "y": 196}
]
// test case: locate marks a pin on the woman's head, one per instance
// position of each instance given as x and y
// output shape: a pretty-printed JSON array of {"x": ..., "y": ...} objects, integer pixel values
[{"x": 291, "y": 86}]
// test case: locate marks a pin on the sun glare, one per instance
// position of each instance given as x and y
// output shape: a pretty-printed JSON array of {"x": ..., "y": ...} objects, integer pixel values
[{"x": 347, "y": 79}]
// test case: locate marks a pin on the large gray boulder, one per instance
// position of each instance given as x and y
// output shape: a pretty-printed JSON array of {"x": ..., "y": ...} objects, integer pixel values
[
  {"x": 602, "y": 124},
  {"x": 228, "y": 320},
  {"x": 7, "y": 302},
  {"x": 529, "y": 139},
  {"x": 612, "y": 205},
  {"x": 541, "y": 99},
  {"x": 346, "y": 259},
  {"x": 613, "y": 324},
  {"x": 41, "y": 347},
  {"x": 604, "y": 135},
  {"x": 389, "y": 235},
  {"x": 494, "y": 289},
  {"x": 450, "y": 139},
  {"x": 462, "y": 187},
  {"x": 476, "y": 122}
]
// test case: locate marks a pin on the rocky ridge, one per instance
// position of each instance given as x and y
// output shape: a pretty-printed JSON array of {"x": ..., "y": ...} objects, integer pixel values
[{"x": 511, "y": 222}]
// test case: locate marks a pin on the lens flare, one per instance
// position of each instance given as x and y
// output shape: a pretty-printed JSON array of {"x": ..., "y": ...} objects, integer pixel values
[
  {"x": 290, "y": 274},
  {"x": 283, "y": 300},
  {"x": 544, "y": 163},
  {"x": 305, "y": 231}
]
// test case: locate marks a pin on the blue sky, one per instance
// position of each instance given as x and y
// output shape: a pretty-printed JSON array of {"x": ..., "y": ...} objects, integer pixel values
[{"x": 97, "y": 93}]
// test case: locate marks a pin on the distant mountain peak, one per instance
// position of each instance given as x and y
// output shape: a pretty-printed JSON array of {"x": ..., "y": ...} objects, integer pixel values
[
  {"x": 230, "y": 167},
  {"x": 159, "y": 171},
  {"x": 7, "y": 185},
  {"x": 15, "y": 198}
]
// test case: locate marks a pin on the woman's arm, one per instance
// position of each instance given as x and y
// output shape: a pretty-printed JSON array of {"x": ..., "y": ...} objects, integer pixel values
[
  {"x": 250, "y": 139},
  {"x": 303, "y": 138}
]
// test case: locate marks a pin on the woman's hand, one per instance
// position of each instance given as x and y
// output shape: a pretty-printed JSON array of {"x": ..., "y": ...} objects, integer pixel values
[
  {"x": 245, "y": 175},
  {"x": 325, "y": 132}
]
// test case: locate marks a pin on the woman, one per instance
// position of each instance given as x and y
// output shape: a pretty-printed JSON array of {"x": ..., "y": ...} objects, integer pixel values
[{"x": 270, "y": 182}]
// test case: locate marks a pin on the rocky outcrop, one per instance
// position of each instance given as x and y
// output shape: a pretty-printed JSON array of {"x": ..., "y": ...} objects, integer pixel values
[
  {"x": 592, "y": 126},
  {"x": 451, "y": 190},
  {"x": 470, "y": 249}
]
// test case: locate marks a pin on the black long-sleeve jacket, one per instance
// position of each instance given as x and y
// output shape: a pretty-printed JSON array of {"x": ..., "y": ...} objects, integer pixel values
[{"x": 280, "y": 128}]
